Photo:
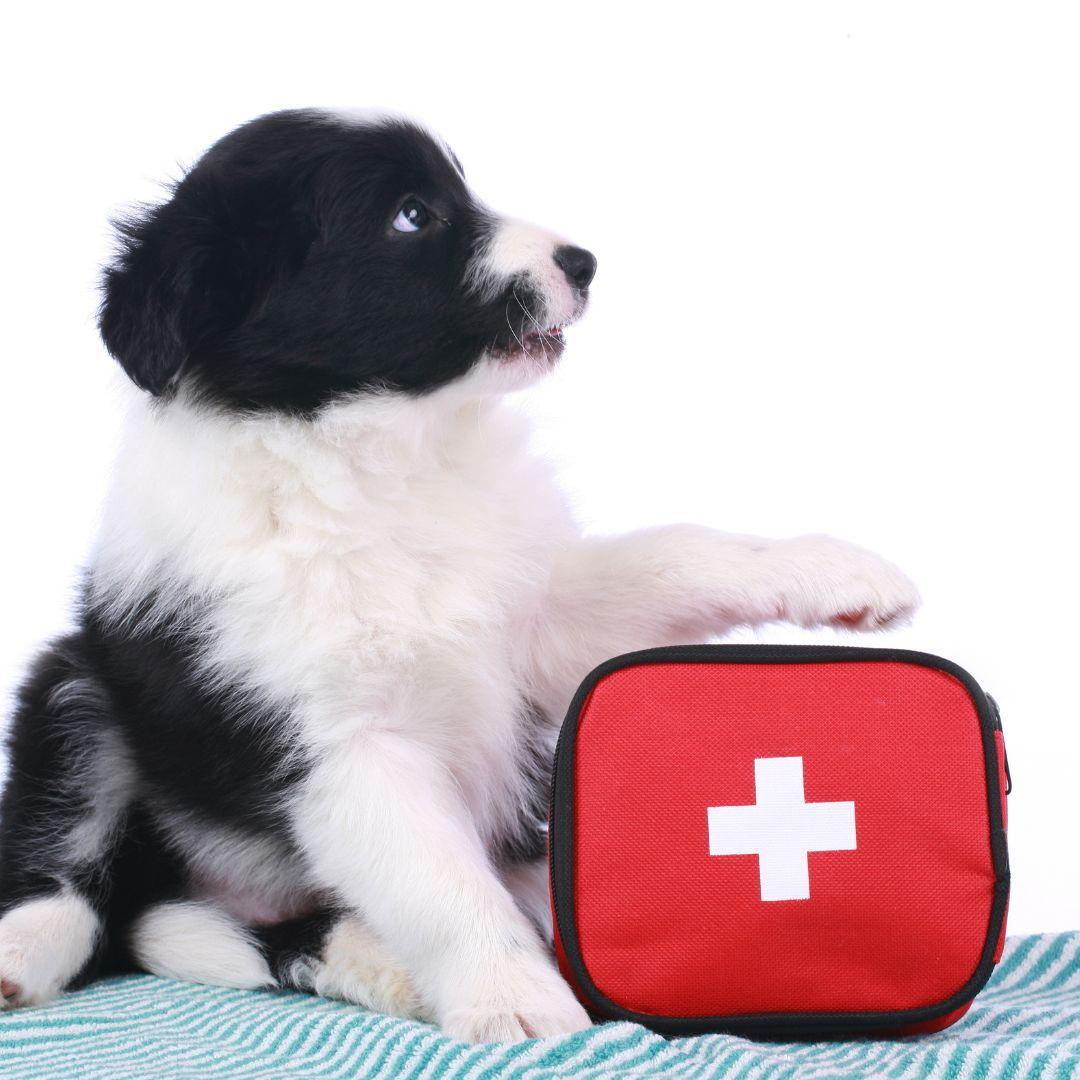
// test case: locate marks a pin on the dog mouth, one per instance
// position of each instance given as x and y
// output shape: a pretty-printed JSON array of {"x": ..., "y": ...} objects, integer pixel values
[
  {"x": 543, "y": 343},
  {"x": 532, "y": 340},
  {"x": 546, "y": 341}
]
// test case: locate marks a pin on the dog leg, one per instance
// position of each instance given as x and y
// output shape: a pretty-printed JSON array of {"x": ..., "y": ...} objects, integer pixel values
[
  {"x": 44, "y": 944},
  {"x": 63, "y": 814},
  {"x": 197, "y": 941},
  {"x": 682, "y": 583},
  {"x": 336, "y": 955},
  {"x": 332, "y": 954},
  {"x": 528, "y": 884},
  {"x": 385, "y": 828}
]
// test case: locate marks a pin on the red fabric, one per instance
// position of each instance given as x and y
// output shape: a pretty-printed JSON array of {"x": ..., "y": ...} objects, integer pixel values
[{"x": 667, "y": 929}]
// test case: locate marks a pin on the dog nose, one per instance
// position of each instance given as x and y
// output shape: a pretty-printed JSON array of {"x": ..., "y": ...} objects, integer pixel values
[{"x": 577, "y": 264}]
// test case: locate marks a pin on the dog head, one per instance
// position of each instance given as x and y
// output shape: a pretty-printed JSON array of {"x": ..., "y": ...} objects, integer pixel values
[{"x": 307, "y": 256}]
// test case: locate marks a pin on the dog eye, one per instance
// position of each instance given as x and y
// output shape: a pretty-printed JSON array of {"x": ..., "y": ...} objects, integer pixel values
[{"x": 412, "y": 216}]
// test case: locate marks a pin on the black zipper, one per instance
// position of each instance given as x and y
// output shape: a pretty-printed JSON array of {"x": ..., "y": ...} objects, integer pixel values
[{"x": 552, "y": 877}]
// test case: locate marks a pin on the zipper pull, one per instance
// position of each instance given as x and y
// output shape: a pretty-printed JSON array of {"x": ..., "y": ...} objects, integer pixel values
[{"x": 995, "y": 711}]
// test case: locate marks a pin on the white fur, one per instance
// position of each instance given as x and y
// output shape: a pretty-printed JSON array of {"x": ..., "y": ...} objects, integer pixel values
[
  {"x": 257, "y": 880},
  {"x": 398, "y": 577},
  {"x": 517, "y": 249},
  {"x": 529, "y": 885},
  {"x": 355, "y": 967},
  {"x": 106, "y": 780},
  {"x": 44, "y": 944},
  {"x": 198, "y": 942}
]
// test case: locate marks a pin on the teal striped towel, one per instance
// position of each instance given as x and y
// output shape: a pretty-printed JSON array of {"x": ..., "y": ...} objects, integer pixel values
[{"x": 1026, "y": 1023}]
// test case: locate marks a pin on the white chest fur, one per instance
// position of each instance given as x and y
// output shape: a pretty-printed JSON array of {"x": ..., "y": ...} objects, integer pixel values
[{"x": 378, "y": 566}]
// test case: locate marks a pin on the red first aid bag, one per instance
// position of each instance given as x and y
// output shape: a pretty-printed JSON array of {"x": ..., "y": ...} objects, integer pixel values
[{"x": 779, "y": 840}]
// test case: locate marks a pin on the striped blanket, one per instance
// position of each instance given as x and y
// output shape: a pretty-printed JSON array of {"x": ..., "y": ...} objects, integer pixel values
[{"x": 1026, "y": 1023}]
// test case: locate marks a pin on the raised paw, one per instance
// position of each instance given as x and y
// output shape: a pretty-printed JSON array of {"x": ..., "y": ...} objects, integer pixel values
[
  {"x": 529, "y": 1002},
  {"x": 833, "y": 583}
]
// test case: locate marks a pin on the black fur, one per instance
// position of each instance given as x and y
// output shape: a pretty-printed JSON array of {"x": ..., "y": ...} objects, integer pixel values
[
  {"x": 273, "y": 276},
  {"x": 296, "y": 941},
  {"x": 232, "y": 764},
  {"x": 57, "y": 732},
  {"x": 63, "y": 772},
  {"x": 272, "y": 279}
]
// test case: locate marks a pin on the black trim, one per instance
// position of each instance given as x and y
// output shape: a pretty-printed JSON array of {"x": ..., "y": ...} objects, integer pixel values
[{"x": 768, "y": 1024}]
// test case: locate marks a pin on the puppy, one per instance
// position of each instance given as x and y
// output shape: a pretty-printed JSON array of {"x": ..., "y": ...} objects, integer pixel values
[{"x": 303, "y": 734}]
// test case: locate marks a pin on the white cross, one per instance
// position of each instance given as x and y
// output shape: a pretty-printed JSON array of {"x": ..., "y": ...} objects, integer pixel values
[{"x": 781, "y": 828}]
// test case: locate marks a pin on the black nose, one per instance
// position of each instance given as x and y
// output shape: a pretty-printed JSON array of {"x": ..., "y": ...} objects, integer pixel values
[{"x": 577, "y": 264}]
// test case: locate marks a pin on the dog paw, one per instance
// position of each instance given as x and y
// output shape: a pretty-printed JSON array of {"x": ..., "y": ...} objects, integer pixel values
[
  {"x": 531, "y": 1003},
  {"x": 20, "y": 985},
  {"x": 14, "y": 948},
  {"x": 355, "y": 967},
  {"x": 841, "y": 585},
  {"x": 529, "y": 1020},
  {"x": 10, "y": 994},
  {"x": 44, "y": 943}
]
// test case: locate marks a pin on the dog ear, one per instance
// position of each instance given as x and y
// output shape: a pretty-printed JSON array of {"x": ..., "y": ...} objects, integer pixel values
[
  {"x": 149, "y": 317},
  {"x": 192, "y": 270}
]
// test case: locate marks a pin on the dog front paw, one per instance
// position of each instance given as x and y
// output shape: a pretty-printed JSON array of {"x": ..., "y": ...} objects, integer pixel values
[
  {"x": 527, "y": 1002},
  {"x": 833, "y": 583}
]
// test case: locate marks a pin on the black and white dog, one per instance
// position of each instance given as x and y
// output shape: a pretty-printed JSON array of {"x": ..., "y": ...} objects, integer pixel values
[{"x": 336, "y": 611}]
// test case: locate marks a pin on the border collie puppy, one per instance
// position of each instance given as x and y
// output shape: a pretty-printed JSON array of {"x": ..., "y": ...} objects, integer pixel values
[{"x": 303, "y": 733}]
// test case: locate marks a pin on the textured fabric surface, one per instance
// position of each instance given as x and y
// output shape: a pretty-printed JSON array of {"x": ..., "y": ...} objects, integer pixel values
[{"x": 1026, "y": 1023}]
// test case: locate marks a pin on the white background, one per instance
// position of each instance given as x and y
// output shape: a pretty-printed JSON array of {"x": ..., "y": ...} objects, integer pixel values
[{"x": 839, "y": 273}]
